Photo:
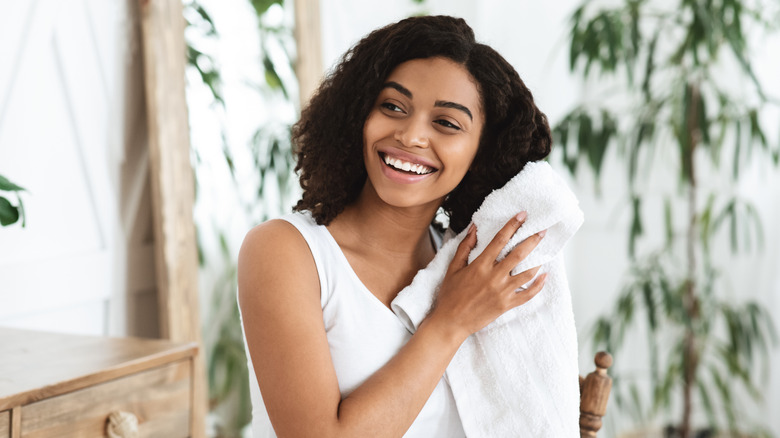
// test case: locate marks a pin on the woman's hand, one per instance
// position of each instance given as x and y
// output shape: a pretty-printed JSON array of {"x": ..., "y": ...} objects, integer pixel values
[{"x": 473, "y": 295}]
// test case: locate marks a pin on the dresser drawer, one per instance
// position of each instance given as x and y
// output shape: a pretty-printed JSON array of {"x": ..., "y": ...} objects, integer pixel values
[
  {"x": 5, "y": 424},
  {"x": 160, "y": 398}
]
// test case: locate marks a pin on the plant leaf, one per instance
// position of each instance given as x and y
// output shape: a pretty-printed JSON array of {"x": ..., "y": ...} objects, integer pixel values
[
  {"x": 597, "y": 148},
  {"x": 8, "y": 213},
  {"x": 262, "y": 6},
  {"x": 8, "y": 186},
  {"x": 705, "y": 222},
  {"x": 636, "y": 229},
  {"x": 704, "y": 395},
  {"x": 668, "y": 222},
  {"x": 21, "y": 210}
]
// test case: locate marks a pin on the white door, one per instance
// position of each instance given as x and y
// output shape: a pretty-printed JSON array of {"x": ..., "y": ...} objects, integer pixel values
[{"x": 72, "y": 132}]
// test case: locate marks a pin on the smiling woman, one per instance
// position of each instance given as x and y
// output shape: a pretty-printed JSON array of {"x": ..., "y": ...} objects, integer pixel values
[
  {"x": 330, "y": 133},
  {"x": 421, "y": 137},
  {"x": 418, "y": 116}
]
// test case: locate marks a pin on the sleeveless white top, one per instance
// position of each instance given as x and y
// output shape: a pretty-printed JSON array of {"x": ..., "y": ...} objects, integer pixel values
[{"x": 363, "y": 335}]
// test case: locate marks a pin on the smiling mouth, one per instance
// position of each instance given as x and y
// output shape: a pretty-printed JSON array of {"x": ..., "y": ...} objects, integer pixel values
[{"x": 405, "y": 166}]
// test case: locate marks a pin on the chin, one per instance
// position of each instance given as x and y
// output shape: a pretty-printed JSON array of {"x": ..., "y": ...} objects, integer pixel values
[{"x": 402, "y": 199}]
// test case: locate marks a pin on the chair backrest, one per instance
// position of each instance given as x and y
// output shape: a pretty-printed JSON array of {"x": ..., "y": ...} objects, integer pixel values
[{"x": 594, "y": 394}]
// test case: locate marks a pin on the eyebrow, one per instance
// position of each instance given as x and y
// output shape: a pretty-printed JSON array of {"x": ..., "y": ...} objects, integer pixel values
[{"x": 439, "y": 103}]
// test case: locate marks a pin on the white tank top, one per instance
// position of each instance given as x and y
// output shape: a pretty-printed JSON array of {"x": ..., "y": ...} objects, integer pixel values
[{"x": 363, "y": 335}]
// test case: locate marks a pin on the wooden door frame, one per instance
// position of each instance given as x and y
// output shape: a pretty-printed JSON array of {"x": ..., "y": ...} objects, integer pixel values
[
  {"x": 171, "y": 173},
  {"x": 173, "y": 194},
  {"x": 308, "y": 40}
]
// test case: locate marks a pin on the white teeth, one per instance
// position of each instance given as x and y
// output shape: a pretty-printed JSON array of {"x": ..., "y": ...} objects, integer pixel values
[{"x": 409, "y": 167}]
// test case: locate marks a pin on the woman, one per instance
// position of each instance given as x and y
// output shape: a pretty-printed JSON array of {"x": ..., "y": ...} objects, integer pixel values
[{"x": 416, "y": 117}]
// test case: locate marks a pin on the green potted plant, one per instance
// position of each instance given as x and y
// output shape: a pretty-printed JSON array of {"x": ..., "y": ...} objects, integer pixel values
[
  {"x": 667, "y": 97},
  {"x": 10, "y": 213}
]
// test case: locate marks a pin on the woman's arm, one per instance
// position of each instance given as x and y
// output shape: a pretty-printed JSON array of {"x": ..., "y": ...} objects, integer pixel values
[{"x": 279, "y": 295}]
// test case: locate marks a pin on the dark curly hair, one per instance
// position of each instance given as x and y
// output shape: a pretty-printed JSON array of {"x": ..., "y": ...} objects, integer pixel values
[{"x": 329, "y": 136}]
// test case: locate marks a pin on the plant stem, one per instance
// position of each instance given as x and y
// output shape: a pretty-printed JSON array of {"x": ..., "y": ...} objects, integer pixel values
[{"x": 690, "y": 299}]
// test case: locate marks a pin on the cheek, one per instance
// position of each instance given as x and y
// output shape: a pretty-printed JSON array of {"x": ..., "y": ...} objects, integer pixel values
[
  {"x": 469, "y": 155},
  {"x": 476, "y": 143}
]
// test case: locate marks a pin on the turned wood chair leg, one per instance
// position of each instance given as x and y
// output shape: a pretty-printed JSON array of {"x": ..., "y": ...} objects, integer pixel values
[{"x": 594, "y": 394}]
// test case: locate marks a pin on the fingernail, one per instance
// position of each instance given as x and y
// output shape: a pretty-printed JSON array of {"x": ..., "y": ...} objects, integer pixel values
[
  {"x": 541, "y": 233},
  {"x": 521, "y": 216},
  {"x": 472, "y": 228}
]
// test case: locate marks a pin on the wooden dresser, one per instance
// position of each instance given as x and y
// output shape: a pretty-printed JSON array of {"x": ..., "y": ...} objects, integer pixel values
[{"x": 56, "y": 385}]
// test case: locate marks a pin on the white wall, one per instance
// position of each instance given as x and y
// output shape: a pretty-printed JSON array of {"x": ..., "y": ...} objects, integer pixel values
[
  {"x": 533, "y": 37},
  {"x": 73, "y": 133}
]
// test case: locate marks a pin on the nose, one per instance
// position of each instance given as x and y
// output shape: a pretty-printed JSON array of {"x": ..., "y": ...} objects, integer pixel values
[{"x": 414, "y": 133}]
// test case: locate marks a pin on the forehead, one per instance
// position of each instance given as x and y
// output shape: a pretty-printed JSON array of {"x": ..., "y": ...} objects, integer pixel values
[{"x": 441, "y": 79}]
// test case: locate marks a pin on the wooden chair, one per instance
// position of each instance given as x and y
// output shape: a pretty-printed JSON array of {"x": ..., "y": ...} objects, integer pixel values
[{"x": 594, "y": 394}]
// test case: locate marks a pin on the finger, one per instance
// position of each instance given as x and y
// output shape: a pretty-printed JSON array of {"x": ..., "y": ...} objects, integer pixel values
[
  {"x": 525, "y": 296},
  {"x": 519, "y": 280},
  {"x": 521, "y": 251},
  {"x": 502, "y": 237},
  {"x": 461, "y": 258}
]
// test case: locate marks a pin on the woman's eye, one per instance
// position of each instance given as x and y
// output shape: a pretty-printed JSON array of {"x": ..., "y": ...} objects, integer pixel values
[
  {"x": 392, "y": 107},
  {"x": 447, "y": 124}
]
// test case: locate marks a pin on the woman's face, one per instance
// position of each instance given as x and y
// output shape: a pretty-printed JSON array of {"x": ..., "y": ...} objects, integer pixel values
[{"x": 423, "y": 132}]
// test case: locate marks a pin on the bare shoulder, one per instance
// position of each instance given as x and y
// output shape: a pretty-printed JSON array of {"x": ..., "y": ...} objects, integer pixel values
[
  {"x": 274, "y": 255},
  {"x": 279, "y": 296},
  {"x": 276, "y": 237}
]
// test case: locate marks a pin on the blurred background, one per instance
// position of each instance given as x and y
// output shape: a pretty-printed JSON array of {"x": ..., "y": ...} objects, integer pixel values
[{"x": 667, "y": 126}]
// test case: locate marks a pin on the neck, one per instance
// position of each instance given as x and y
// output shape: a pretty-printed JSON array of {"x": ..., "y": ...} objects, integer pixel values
[{"x": 371, "y": 223}]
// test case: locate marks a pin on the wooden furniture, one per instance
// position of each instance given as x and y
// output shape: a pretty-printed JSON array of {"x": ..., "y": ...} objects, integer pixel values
[
  {"x": 594, "y": 394},
  {"x": 57, "y": 385}
]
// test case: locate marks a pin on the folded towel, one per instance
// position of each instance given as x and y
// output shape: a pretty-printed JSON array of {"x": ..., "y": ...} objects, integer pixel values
[{"x": 518, "y": 376}]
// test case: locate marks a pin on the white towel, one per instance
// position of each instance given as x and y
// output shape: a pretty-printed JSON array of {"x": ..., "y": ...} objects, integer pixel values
[{"x": 518, "y": 376}]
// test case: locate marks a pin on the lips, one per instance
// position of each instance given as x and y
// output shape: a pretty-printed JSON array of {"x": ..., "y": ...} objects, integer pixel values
[
  {"x": 407, "y": 166},
  {"x": 406, "y": 163}
]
